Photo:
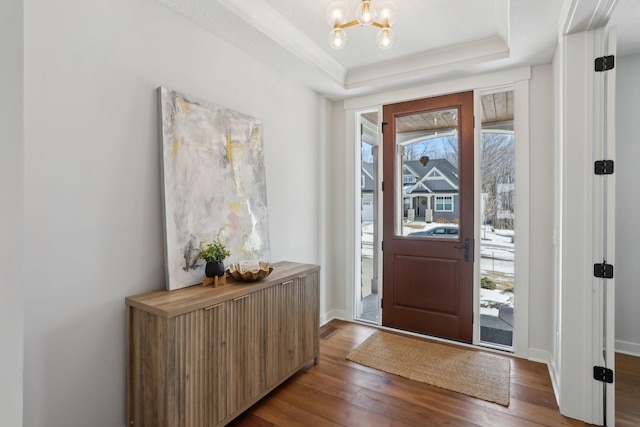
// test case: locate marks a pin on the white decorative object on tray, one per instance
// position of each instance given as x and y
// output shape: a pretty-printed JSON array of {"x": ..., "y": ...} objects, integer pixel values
[{"x": 250, "y": 271}]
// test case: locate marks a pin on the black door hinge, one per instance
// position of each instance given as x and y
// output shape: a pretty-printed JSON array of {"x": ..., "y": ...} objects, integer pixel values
[
  {"x": 603, "y": 270},
  {"x": 382, "y": 126},
  {"x": 603, "y": 374},
  {"x": 382, "y": 245},
  {"x": 382, "y": 185},
  {"x": 603, "y": 167},
  {"x": 605, "y": 63},
  {"x": 361, "y": 129},
  {"x": 381, "y": 302}
]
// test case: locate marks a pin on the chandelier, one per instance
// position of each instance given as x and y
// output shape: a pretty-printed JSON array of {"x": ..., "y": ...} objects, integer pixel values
[{"x": 382, "y": 16}]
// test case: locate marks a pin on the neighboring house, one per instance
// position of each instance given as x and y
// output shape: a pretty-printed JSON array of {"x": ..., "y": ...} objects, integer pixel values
[{"x": 430, "y": 190}]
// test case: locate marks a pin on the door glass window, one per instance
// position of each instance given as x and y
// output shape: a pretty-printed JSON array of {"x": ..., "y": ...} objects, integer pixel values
[{"x": 427, "y": 148}]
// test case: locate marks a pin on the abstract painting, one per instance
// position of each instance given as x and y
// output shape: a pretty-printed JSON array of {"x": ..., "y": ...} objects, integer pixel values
[{"x": 213, "y": 185}]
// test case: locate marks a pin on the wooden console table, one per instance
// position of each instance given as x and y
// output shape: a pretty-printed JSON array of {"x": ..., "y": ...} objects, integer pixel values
[{"x": 201, "y": 356}]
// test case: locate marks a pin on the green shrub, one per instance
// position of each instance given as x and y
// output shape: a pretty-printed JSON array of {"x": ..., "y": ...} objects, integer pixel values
[{"x": 486, "y": 283}]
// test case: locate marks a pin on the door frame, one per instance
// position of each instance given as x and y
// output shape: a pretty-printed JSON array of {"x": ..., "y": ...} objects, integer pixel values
[{"x": 519, "y": 80}]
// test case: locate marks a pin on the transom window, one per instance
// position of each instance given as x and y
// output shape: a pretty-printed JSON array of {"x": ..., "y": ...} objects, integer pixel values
[{"x": 444, "y": 203}]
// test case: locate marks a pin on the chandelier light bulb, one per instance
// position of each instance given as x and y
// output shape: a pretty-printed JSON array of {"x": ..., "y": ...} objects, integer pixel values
[
  {"x": 337, "y": 13},
  {"x": 385, "y": 38},
  {"x": 337, "y": 38},
  {"x": 366, "y": 14},
  {"x": 387, "y": 12}
]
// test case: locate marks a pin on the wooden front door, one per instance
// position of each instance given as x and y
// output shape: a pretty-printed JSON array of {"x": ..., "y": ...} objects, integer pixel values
[{"x": 428, "y": 252}]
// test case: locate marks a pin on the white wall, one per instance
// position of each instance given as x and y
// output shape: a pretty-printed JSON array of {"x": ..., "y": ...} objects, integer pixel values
[
  {"x": 337, "y": 232},
  {"x": 92, "y": 183},
  {"x": 627, "y": 204},
  {"x": 11, "y": 213}
]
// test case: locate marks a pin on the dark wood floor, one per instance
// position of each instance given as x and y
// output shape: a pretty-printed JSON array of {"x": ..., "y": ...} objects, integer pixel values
[
  {"x": 337, "y": 392},
  {"x": 627, "y": 383}
]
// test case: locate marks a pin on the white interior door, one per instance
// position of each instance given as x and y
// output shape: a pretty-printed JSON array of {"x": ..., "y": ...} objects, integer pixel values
[
  {"x": 604, "y": 229},
  {"x": 610, "y": 232}
]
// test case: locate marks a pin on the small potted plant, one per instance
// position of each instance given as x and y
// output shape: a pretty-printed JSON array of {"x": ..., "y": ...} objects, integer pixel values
[{"x": 214, "y": 254}]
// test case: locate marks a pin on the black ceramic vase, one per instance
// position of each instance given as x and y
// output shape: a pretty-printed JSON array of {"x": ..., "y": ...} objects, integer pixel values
[{"x": 213, "y": 269}]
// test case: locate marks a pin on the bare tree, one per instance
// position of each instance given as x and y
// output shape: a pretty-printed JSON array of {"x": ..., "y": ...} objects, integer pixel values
[
  {"x": 427, "y": 147},
  {"x": 497, "y": 167},
  {"x": 412, "y": 151},
  {"x": 451, "y": 147}
]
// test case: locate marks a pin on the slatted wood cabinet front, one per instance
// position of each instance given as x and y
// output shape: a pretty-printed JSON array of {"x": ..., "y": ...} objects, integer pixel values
[{"x": 200, "y": 356}]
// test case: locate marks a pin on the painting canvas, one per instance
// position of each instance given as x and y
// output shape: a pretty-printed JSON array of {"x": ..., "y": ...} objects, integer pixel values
[{"x": 213, "y": 185}]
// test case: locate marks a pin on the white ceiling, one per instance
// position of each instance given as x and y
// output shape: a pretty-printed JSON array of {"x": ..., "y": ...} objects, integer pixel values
[
  {"x": 415, "y": 36},
  {"x": 626, "y": 17},
  {"x": 435, "y": 39}
]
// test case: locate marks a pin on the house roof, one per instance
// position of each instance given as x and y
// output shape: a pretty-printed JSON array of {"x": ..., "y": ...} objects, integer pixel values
[{"x": 437, "y": 176}]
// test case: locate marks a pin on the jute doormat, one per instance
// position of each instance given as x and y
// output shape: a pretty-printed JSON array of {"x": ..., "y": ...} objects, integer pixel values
[{"x": 473, "y": 373}]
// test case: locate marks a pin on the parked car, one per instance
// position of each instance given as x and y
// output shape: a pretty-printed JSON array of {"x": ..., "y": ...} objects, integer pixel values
[{"x": 447, "y": 231}]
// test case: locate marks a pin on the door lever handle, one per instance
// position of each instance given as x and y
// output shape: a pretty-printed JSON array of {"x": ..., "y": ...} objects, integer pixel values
[{"x": 466, "y": 249}]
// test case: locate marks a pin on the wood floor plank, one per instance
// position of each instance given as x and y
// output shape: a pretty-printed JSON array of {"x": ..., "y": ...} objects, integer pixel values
[
  {"x": 333, "y": 408},
  {"x": 535, "y": 396},
  {"x": 251, "y": 419},
  {"x": 406, "y": 413},
  {"x": 627, "y": 364},
  {"x": 627, "y": 384},
  {"x": 281, "y": 413},
  {"x": 530, "y": 374},
  {"x": 332, "y": 386},
  {"x": 338, "y": 392}
]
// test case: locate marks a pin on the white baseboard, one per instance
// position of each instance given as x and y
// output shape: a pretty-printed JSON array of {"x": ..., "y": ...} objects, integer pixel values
[
  {"x": 330, "y": 315},
  {"x": 538, "y": 355},
  {"x": 630, "y": 348}
]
